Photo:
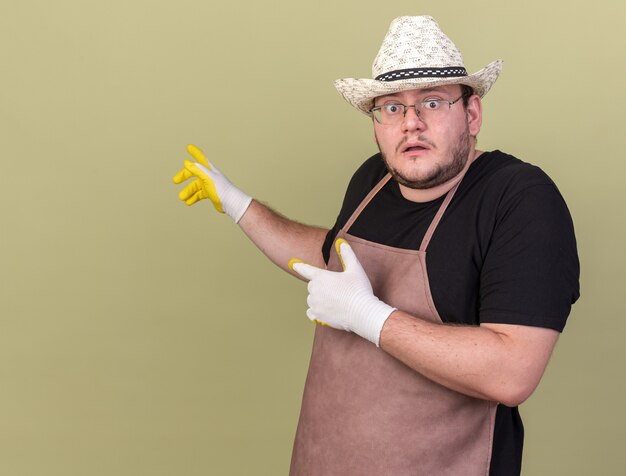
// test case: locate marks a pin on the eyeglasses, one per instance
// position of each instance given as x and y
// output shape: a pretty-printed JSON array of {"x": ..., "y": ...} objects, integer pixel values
[{"x": 393, "y": 112}]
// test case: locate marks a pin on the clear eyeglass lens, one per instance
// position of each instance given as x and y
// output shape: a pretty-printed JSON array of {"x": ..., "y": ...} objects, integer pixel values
[
  {"x": 393, "y": 113},
  {"x": 431, "y": 105}
]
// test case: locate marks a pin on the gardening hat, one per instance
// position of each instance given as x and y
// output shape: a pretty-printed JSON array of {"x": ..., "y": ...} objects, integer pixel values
[{"x": 415, "y": 54}]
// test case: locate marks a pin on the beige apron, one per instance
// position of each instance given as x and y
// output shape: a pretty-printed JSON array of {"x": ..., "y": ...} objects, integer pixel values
[{"x": 366, "y": 413}]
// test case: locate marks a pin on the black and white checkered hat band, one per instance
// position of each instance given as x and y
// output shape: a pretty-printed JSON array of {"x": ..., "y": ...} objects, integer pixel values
[{"x": 448, "y": 72}]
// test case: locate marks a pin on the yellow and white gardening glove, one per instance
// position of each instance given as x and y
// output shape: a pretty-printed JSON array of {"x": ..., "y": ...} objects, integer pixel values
[
  {"x": 212, "y": 184},
  {"x": 344, "y": 300}
]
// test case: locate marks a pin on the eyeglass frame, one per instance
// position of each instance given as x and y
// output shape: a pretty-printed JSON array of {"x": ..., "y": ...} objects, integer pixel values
[{"x": 414, "y": 106}]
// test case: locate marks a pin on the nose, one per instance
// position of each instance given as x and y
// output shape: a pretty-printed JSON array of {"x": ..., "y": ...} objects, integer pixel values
[{"x": 412, "y": 119}]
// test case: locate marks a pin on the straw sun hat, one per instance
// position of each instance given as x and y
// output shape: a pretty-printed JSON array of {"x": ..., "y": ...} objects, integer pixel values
[{"x": 415, "y": 54}]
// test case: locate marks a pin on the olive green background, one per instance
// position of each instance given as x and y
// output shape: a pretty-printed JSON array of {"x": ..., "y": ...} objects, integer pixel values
[{"x": 142, "y": 337}]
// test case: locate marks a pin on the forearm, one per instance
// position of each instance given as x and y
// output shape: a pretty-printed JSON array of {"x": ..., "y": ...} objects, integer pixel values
[
  {"x": 502, "y": 363},
  {"x": 282, "y": 239},
  {"x": 279, "y": 238}
]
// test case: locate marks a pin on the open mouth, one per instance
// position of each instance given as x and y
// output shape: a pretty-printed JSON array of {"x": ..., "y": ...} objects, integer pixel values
[{"x": 414, "y": 147}]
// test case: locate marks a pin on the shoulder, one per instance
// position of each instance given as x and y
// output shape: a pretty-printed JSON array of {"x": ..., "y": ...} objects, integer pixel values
[
  {"x": 498, "y": 181},
  {"x": 506, "y": 173}
]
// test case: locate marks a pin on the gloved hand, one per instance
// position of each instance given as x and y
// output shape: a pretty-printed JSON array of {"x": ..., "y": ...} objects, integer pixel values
[
  {"x": 211, "y": 184},
  {"x": 344, "y": 300}
]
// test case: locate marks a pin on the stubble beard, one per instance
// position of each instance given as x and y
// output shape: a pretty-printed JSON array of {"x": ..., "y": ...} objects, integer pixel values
[{"x": 444, "y": 172}]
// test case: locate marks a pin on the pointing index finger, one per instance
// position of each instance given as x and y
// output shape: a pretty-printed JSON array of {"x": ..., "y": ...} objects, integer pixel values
[{"x": 303, "y": 269}]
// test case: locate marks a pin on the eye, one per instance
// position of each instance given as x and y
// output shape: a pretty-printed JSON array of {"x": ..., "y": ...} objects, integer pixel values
[
  {"x": 432, "y": 104},
  {"x": 392, "y": 109}
]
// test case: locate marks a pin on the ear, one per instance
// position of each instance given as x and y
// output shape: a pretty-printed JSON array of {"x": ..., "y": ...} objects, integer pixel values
[{"x": 474, "y": 115}]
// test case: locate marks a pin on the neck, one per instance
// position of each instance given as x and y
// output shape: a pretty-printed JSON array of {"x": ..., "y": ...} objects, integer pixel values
[{"x": 433, "y": 193}]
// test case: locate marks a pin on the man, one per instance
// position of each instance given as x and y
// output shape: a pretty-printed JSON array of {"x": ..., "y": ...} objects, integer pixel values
[{"x": 418, "y": 365}]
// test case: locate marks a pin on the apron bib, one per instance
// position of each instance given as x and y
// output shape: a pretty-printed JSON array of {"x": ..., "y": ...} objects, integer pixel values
[{"x": 366, "y": 413}]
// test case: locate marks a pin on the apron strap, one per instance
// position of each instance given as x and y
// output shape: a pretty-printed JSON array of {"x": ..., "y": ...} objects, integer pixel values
[
  {"x": 366, "y": 201},
  {"x": 437, "y": 219}
]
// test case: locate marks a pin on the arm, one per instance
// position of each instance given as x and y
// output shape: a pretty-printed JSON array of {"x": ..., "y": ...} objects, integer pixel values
[
  {"x": 275, "y": 235},
  {"x": 280, "y": 238},
  {"x": 498, "y": 362}
]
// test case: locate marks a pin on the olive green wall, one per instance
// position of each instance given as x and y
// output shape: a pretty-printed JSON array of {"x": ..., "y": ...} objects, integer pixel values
[{"x": 142, "y": 337}]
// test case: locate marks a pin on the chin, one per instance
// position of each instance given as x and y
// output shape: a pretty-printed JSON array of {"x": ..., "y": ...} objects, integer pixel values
[{"x": 415, "y": 182}]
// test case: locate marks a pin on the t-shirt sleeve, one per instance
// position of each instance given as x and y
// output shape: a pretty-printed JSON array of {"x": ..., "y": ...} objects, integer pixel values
[{"x": 531, "y": 269}]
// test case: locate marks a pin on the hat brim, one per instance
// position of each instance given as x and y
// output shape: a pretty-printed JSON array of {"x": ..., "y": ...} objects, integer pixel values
[{"x": 360, "y": 93}]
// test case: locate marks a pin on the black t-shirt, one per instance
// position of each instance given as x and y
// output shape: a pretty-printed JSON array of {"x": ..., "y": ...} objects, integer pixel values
[{"x": 504, "y": 252}]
